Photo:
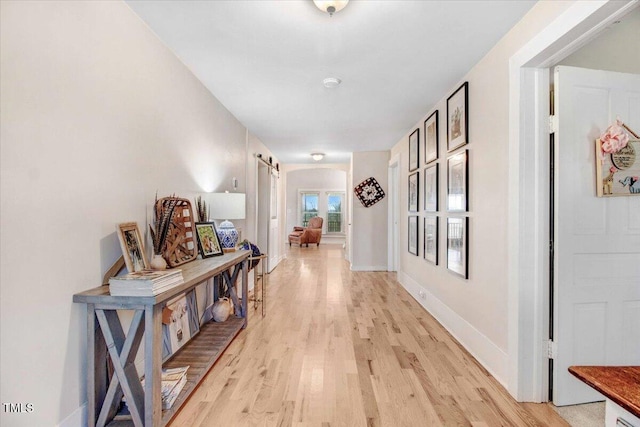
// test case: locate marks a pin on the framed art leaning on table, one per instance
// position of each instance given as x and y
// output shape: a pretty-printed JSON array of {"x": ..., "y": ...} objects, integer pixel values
[
  {"x": 132, "y": 247},
  {"x": 208, "y": 241}
]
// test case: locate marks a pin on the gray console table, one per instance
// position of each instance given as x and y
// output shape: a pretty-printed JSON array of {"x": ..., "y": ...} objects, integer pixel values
[{"x": 106, "y": 338}]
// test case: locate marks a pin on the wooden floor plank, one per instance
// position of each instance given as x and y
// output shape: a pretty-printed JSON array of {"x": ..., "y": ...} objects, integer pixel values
[{"x": 342, "y": 348}]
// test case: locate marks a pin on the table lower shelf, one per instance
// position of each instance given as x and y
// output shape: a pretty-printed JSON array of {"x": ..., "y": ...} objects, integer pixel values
[{"x": 200, "y": 354}]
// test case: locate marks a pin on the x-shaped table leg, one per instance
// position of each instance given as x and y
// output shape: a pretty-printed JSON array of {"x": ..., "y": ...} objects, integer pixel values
[{"x": 122, "y": 351}]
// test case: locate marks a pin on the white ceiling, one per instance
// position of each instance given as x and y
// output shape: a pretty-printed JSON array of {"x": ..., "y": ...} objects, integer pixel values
[{"x": 265, "y": 61}]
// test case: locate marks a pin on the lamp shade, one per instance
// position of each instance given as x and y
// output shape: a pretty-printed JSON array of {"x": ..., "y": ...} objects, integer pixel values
[{"x": 227, "y": 205}]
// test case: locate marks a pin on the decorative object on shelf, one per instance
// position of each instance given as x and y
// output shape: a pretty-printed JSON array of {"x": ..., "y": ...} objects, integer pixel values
[
  {"x": 458, "y": 245},
  {"x": 208, "y": 241},
  {"x": 162, "y": 222},
  {"x": 413, "y": 235},
  {"x": 173, "y": 381},
  {"x": 132, "y": 247},
  {"x": 330, "y": 6},
  {"x": 145, "y": 282},
  {"x": 369, "y": 192},
  {"x": 414, "y": 150},
  {"x": 431, "y": 135},
  {"x": 619, "y": 156},
  {"x": 457, "y": 182},
  {"x": 458, "y": 118},
  {"x": 222, "y": 309},
  {"x": 431, "y": 188},
  {"x": 413, "y": 194},
  {"x": 158, "y": 262},
  {"x": 227, "y": 206},
  {"x": 180, "y": 245},
  {"x": 202, "y": 211},
  {"x": 255, "y": 252},
  {"x": 431, "y": 238},
  {"x": 178, "y": 320}
]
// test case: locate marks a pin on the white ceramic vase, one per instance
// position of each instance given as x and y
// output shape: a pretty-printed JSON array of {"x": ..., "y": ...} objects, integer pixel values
[{"x": 158, "y": 262}]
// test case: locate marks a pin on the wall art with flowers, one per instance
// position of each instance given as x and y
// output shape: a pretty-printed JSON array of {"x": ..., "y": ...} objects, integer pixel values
[{"x": 618, "y": 162}]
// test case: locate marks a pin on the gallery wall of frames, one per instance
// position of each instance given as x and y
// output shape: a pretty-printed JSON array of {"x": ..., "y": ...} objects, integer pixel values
[{"x": 452, "y": 163}]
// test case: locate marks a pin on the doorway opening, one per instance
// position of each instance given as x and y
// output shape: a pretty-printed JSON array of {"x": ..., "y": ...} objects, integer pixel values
[{"x": 529, "y": 156}]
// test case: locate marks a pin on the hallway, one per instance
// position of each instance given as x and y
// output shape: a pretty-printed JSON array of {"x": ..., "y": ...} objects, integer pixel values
[{"x": 342, "y": 348}]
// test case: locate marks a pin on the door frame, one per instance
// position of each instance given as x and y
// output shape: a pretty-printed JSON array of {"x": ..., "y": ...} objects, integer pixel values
[
  {"x": 393, "y": 213},
  {"x": 528, "y": 297}
]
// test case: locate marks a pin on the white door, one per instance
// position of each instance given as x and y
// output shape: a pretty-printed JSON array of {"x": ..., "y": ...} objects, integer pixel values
[
  {"x": 274, "y": 241},
  {"x": 392, "y": 258},
  {"x": 263, "y": 201},
  {"x": 597, "y": 240}
]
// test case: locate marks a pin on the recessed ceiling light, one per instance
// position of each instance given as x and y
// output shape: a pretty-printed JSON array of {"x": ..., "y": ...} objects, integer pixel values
[
  {"x": 331, "y": 82},
  {"x": 317, "y": 156}
]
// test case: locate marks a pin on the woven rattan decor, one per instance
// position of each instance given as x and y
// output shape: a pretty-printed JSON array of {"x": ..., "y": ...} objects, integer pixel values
[{"x": 180, "y": 246}]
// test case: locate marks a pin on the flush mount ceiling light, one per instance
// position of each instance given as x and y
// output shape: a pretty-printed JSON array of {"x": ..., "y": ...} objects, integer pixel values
[
  {"x": 330, "y": 6},
  {"x": 317, "y": 156},
  {"x": 331, "y": 82}
]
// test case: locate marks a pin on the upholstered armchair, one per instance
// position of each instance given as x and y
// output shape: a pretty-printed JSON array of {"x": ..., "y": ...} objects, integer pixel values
[{"x": 306, "y": 235}]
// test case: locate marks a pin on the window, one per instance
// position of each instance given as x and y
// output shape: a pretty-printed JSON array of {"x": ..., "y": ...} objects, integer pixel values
[
  {"x": 334, "y": 212},
  {"x": 325, "y": 203},
  {"x": 309, "y": 206}
]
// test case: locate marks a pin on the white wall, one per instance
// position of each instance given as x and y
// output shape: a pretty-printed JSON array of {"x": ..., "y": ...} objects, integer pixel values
[
  {"x": 96, "y": 116},
  {"x": 616, "y": 49},
  {"x": 475, "y": 310},
  {"x": 312, "y": 179},
  {"x": 369, "y": 225}
]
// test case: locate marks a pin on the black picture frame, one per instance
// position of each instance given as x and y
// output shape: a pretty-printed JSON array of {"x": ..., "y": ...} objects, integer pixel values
[
  {"x": 208, "y": 241},
  {"x": 412, "y": 240},
  {"x": 430, "y": 240},
  {"x": 431, "y": 180},
  {"x": 458, "y": 118},
  {"x": 413, "y": 192},
  {"x": 431, "y": 138},
  {"x": 458, "y": 182},
  {"x": 414, "y": 150},
  {"x": 458, "y": 246}
]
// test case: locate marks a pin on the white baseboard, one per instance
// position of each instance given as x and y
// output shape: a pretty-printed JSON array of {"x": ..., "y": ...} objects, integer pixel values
[
  {"x": 78, "y": 418},
  {"x": 368, "y": 267},
  {"x": 482, "y": 348}
]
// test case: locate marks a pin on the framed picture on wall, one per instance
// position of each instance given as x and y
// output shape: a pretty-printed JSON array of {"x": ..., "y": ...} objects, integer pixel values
[
  {"x": 413, "y": 235},
  {"x": 430, "y": 240},
  {"x": 458, "y": 245},
  {"x": 132, "y": 247},
  {"x": 457, "y": 182},
  {"x": 414, "y": 150},
  {"x": 431, "y": 188},
  {"x": 412, "y": 195},
  {"x": 431, "y": 138},
  {"x": 458, "y": 118}
]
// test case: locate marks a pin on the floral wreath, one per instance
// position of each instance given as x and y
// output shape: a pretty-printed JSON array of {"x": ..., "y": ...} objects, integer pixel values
[{"x": 615, "y": 138}]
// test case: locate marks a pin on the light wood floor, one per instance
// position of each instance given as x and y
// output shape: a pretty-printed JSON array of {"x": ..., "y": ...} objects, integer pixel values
[{"x": 342, "y": 348}]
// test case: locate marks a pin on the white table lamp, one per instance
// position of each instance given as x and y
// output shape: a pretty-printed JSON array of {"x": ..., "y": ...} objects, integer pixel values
[{"x": 227, "y": 206}]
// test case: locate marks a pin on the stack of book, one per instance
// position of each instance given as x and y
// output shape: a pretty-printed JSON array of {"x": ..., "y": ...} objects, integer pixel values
[
  {"x": 173, "y": 381},
  {"x": 145, "y": 283}
]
